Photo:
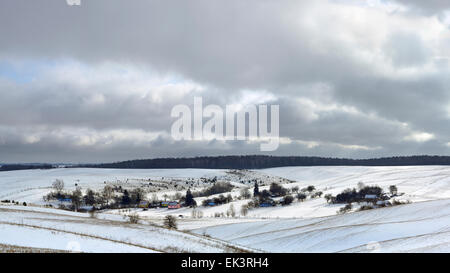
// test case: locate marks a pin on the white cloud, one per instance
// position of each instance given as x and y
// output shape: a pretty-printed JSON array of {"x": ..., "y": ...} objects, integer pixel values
[{"x": 419, "y": 137}]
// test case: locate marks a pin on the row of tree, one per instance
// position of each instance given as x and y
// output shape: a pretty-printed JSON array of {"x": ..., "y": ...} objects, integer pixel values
[{"x": 262, "y": 161}]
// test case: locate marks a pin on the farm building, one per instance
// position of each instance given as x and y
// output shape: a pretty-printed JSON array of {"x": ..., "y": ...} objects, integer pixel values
[
  {"x": 154, "y": 205},
  {"x": 370, "y": 196},
  {"x": 174, "y": 205},
  {"x": 144, "y": 204}
]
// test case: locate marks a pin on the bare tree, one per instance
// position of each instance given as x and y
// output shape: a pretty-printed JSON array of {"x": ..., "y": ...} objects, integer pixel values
[
  {"x": 58, "y": 185},
  {"x": 244, "y": 210},
  {"x": 170, "y": 222},
  {"x": 76, "y": 198},
  {"x": 133, "y": 218},
  {"x": 232, "y": 211},
  {"x": 107, "y": 193},
  {"x": 245, "y": 193},
  {"x": 328, "y": 197}
]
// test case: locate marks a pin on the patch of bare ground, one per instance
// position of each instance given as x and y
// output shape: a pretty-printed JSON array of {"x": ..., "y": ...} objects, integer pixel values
[{"x": 21, "y": 249}]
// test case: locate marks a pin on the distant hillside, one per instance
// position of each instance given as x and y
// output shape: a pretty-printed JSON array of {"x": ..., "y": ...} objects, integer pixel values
[
  {"x": 259, "y": 162},
  {"x": 17, "y": 167}
]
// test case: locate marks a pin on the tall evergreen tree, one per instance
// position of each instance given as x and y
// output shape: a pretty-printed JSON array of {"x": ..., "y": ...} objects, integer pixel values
[
  {"x": 256, "y": 189},
  {"x": 189, "y": 198},
  {"x": 126, "y": 198}
]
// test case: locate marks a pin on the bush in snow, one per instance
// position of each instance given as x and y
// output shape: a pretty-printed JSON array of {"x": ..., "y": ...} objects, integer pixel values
[
  {"x": 352, "y": 195},
  {"x": 170, "y": 222},
  {"x": 393, "y": 190},
  {"x": 277, "y": 189},
  {"x": 365, "y": 207},
  {"x": 301, "y": 196},
  {"x": 287, "y": 200},
  {"x": 328, "y": 197},
  {"x": 218, "y": 187},
  {"x": 317, "y": 194},
  {"x": 133, "y": 218},
  {"x": 345, "y": 209}
]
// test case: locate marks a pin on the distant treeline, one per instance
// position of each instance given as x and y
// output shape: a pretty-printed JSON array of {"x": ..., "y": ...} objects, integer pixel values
[
  {"x": 260, "y": 161},
  {"x": 17, "y": 167}
]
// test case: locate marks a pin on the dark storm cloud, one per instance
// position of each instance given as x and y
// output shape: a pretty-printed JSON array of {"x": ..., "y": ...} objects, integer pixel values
[
  {"x": 351, "y": 80},
  {"x": 429, "y": 7}
]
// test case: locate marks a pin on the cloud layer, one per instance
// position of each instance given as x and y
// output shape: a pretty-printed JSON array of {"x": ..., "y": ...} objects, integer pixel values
[{"x": 97, "y": 82}]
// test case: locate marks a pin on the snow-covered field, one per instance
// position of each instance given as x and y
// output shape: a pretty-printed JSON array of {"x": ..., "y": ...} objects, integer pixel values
[
  {"x": 62, "y": 230},
  {"x": 31, "y": 185},
  {"x": 417, "y": 227},
  {"x": 309, "y": 226}
]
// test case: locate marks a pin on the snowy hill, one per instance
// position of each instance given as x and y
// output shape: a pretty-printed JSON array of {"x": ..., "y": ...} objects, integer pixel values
[
  {"x": 32, "y": 185},
  {"x": 62, "y": 230},
  {"x": 309, "y": 226},
  {"x": 418, "y": 227}
]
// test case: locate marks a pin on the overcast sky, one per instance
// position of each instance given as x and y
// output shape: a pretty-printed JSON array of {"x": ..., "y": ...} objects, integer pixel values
[{"x": 97, "y": 82}]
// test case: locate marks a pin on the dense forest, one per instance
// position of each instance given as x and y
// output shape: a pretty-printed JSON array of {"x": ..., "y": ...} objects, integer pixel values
[
  {"x": 16, "y": 167},
  {"x": 246, "y": 162},
  {"x": 260, "y": 161}
]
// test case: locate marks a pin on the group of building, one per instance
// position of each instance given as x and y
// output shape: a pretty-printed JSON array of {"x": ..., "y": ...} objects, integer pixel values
[{"x": 162, "y": 204}]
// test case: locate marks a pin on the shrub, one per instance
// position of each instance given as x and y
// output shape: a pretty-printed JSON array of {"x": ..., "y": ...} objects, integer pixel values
[
  {"x": 317, "y": 194},
  {"x": 133, "y": 218},
  {"x": 301, "y": 196},
  {"x": 328, "y": 197},
  {"x": 288, "y": 199},
  {"x": 345, "y": 209},
  {"x": 374, "y": 190},
  {"x": 221, "y": 199},
  {"x": 277, "y": 190},
  {"x": 393, "y": 189},
  {"x": 351, "y": 195},
  {"x": 170, "y": 222},
  {"x": 218, "y": 187},
  {"x": 365, "y": 207}
]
